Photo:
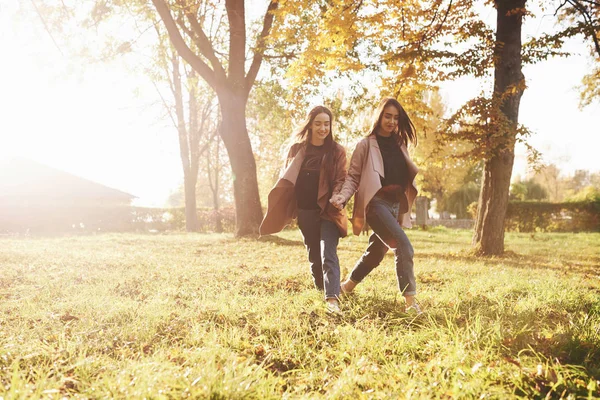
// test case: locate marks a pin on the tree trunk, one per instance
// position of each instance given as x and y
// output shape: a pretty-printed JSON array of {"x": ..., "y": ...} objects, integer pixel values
[
  {"x": 218, "y": 222},
  {"x": 214, "y": 184},
  {"x": 190, "y": 166},
  {"x": 488, "y": 238},
  {"x": 248, "y": 211},
  {"x": 191, "y": 216}
]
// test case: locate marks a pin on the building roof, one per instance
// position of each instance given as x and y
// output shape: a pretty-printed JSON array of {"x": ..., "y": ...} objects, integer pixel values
[{"x": 26, "y": 181}]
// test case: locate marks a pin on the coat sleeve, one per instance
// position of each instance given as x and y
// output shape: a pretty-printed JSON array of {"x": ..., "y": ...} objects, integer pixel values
[
  {"x": 357, "y": 161},
  {"x": 340, "y": 170}
]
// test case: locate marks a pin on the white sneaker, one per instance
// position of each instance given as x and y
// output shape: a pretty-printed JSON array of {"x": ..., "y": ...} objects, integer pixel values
[
  {"x": 334, "y": 307},
  {"x": 415, "y": 309}
]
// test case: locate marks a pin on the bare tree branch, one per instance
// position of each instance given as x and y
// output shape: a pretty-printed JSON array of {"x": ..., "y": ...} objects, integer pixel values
[
  {"x": 182, "y": 48},
  {"x": 559, "y": 7},
  {"x": 184, "y": 148},
  {"x": 287, "y": 56},
  {"x": 259, "y": 51},
  {"x": 165, "y": 104},
  {"x": 588, "y": 22},
  {"x": 419, "y": 44},
  {"x": 203, "y": 43},
  {"x": 47, "y": 28},
  {"x": 236, "y": 13}
]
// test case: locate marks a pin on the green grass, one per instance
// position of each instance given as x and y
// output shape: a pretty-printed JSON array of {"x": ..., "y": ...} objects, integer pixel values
[{"x": 207, "y": 316}]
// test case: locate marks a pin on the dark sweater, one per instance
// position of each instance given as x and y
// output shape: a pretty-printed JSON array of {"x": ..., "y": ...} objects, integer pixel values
[
  {"x": 394, "y": 164},
  {"x": 307, "y": 184}
]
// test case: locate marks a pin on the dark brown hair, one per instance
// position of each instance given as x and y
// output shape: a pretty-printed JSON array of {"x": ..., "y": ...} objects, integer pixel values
[{"x": 406, "y": 129}]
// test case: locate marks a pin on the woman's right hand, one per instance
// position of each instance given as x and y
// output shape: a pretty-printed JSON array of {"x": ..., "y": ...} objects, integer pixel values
[{"x": 338, "y": 201}]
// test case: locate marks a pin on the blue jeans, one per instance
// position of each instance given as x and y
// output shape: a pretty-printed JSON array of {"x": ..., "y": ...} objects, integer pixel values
[
  {"x": 387, "y": 233},
  {"x": 321, "y": 239}
]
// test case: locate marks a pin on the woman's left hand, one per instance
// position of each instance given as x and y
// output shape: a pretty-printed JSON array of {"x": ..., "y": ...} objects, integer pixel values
[{"x": 338, "y": 201}]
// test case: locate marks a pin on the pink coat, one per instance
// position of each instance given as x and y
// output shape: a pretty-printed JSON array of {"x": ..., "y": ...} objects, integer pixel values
[
  {"x": 366, "y": 166},
  {"x": 282, "y": 208}
]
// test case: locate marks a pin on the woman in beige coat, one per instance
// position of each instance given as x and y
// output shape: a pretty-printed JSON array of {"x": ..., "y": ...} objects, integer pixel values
[
  {"x": 382, "y": 175},
  {"x": 315, "y": 169}
]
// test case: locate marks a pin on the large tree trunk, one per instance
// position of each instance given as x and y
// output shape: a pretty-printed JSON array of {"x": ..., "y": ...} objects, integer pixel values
[
  {"x": 488, "y": 238},
  {"x": 245, "y": 184}
]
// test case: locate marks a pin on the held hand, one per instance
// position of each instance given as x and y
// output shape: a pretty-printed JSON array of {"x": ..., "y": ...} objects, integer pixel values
[{"x": 338, "y": 201}]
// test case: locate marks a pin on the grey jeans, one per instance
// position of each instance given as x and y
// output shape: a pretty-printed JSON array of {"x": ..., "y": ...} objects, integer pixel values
[
  {"x": 321, "y": 239},
  {"x": 387, "y": 233}
]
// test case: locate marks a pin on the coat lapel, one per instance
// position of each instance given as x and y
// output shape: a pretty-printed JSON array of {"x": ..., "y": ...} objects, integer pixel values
[
  {"x": 292, "y": 171},
  {"x": 375, "y": 155}
]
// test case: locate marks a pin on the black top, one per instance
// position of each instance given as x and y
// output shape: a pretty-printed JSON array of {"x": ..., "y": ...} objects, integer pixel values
[
  {"x": 307, "y": 184},
  {"x": 394, "y": 163}
]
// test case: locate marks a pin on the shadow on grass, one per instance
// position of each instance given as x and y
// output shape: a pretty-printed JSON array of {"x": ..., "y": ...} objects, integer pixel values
[
  {"x": 280, "y": 241},
  {"x": 566, "y": 361},
  {"x": 514, "y": 260},
  {"x": 387, "y": 313},
  {"x": 212, "y": 243},
  {"x": 562, "y": 333}
]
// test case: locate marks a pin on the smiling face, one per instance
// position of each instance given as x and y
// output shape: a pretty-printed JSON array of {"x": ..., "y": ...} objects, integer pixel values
[
  {"x": 389, "y": 120},
  {"x": 320, "y": 128}
]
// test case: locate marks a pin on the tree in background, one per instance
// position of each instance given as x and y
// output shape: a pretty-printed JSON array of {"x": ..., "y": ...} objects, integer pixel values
[
  {"x": 580, "y": 180},
  {"x": 218, "y": 56},
  {"x": 527, "y": 190},
  {"x": 192, "y": 113},
  {"x": 444, "y": 170},
  {"x": 588, "y": 193},
  {"x": 560, "y": 187},
  {"x": 548, "y": 176},
  {"x": 270, "y": 119},
  {"x": 224, "y": 70},
  {"x": 215, "y": 170},
  {"x": 504, "y": 117},
  {"x": 458, "y": 202},
  {"x": 491, "y": 123}
]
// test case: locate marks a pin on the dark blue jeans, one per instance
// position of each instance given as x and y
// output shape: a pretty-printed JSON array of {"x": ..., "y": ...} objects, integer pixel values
[
  {"x": 387, "y": 233},
  {"x": 321, "y": 239}
]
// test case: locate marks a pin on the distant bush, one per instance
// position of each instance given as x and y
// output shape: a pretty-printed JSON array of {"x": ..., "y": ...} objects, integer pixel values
[
  {"x": 72, "y": 219},
  {"x": 574, "y": 216},
  {"x": 458, "y": 202},
  {"x": 527, "y": 190},
  {"x": 472, "y": 210}
]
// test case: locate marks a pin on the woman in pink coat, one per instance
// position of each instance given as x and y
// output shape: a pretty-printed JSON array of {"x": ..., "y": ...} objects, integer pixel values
[
  {"x": 382, "y": 175},
  {"x": 315, "y": 169}
]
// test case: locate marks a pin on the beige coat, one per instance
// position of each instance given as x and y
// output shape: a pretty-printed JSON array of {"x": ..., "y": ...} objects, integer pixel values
[
  {"x": 366, "y": 166},
  {"x": 282, "y": 208}
]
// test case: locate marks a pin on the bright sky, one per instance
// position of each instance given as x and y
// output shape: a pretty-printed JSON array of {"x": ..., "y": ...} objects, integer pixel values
[
  {"x": 106, "y": 125},
  {"x": 98, "y": 122}
]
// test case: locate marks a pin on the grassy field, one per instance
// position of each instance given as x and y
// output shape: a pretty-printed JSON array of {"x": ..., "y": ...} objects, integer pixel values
[{"x": 207, "y": 316}]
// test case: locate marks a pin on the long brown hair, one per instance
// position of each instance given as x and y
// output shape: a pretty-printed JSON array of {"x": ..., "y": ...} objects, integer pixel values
[
  {"x": 304, "y": 135},
  {"x": 406, "y": 129}
]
